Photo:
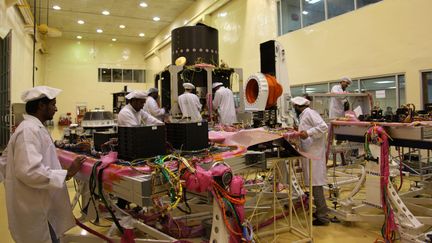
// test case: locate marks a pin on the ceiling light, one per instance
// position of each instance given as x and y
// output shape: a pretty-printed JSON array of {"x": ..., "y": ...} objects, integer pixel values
[
  {"x": 79, "y": 37},
  {"x": 122, "y": 26},
  {"x": 99, "y": 30},
  {"x": 141, "y": 34},
  {"x": 114, "y": 39},
  {"x": 56, "y": 7},
  {"x": 305, "y": 12},
  {"x": 223, "y": 14},
  {"x": 105, "y": 12},
  {"x": 143, "y": 4},
  {"x": 81, "y": 21},
  {"x": 156, "y": 18}
]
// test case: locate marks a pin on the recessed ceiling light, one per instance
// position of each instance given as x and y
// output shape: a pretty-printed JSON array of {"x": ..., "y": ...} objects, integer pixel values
[
  {"x": 156, "y": 18},
  {"x": 81, "y": 21},
  {"x": 141, "y": 34},
  {"x": 114, "y": 39},
  {"x": 122, "y": 26},
  {"x": 105, "y": 12},
  {"x": 223, "y": 14},
  {"x": 79, "y": 37},
  {"x": 56, "y": 7},
  {"x": 99, "y": 30},
  {"x": 143, "y": 4}
]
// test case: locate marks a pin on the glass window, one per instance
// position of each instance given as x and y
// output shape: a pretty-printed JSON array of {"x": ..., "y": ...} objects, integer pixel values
[
  {"x": 353, "y": 88},
  {"x": 427, "y": 87},
  {"x": 297, "y": 91},
  {"x": 313, "y": 12},
  {"x": 317, "y": 88},
  {"x": 290, "y": 20},
  {"x": 117, "y": 75},
  {"x": 139, "y": 76},
  {"x": 105, "y": 74},
  {"x": 361, "y": 3},
  {"x": 127, "y": 76},
  {"x": 402, "y": 98},
  {"x": 338, "y": 7},
  {"x": 383, "y": 91}
]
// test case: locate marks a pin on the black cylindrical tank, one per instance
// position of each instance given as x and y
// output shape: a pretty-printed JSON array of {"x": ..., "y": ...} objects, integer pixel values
[{"x": 197, "y": 43}]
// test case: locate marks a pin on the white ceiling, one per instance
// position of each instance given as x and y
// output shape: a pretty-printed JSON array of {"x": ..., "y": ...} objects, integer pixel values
[{"x": 126, "y": 12}]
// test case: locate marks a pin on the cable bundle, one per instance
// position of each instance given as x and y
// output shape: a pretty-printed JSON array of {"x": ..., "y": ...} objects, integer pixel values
[{"x": 378, "y": 136}]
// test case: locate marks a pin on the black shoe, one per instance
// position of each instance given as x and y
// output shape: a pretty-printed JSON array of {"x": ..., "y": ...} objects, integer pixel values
[{"x": 319, "y": 222}]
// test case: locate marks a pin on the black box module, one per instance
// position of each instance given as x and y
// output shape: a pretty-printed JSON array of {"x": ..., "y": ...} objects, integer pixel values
[
  {"x": 188, "y": 136},
  {"x": 141, "y": 142},
  {"x": 100, "y": 138}
]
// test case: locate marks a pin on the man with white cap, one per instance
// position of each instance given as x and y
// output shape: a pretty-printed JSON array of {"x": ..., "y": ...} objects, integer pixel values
[
  {"x": 37, "y": 199},
  {"x": 312, "y": 130},
  {"x": 223, "y": 103},
  {"x": 189, "y": 104},
  {"x": 133, "y": 114},
  {"x": 151, "y": 105},
  {"x": 338, "y": 104}
]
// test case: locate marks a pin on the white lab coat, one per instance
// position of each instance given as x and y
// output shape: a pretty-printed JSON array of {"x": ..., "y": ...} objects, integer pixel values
[
  {"x": 190, "y": 106},
  {"x": 129, "y": 117},
  {"x": 35, "y": 185},
  {"x": 315, "y": 145},
  {"x": 223, "y": 102},
  {"x": 336, "y": 108},
  {"x": 152, "y": 107}
]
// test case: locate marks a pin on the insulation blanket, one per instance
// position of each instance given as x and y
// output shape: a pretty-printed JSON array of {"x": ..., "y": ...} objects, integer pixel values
[
  {"x": 251, "y": 137},
  {"x": 112, "y": 173}
]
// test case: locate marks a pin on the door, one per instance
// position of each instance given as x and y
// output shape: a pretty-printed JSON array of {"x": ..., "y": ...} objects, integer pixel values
[{"x": 5, "y": 118}]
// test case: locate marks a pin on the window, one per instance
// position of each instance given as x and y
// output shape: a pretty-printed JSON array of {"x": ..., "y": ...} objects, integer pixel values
[
  {"x": 313, "y": 12},
  {"x": 361, "y": 3},
  {"x": 317, "y": 88},
  {"x": 427, "y": 88},
  {"x": 401, "y": 90},
  {"x": 295, "y": 14},
  {"x": 121, "y": 75},
  {"x": 383, "y": 91},
  {"x": 297, "y": 91},
  {"x": 338, "y": 7},
  {"x": 290, "y": 18}
]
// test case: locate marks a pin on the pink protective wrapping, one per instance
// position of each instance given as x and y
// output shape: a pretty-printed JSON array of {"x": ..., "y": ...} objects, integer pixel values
[
  {"x": 200, "y": 181},
  {"x": 112, "y": 173},
  {"x": 384, "y": 124},
  {"x": 237, "y": 189}
]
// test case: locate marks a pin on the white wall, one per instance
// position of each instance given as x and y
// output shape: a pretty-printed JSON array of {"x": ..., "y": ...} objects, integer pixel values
[
  {"x": 21, "y": 54},
  {"x": 73, "y": 66}
]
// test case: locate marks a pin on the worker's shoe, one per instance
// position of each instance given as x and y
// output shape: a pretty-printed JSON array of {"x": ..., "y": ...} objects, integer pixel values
[{"x": 319, "y": 222}]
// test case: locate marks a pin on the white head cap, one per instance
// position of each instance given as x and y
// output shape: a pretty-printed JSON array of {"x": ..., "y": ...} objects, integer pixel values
[
  {"x": 346, "y": 79},
  {"x": 217, "y": 84},
  {"x": 300, "y": 101},
  {"x": 39, "y": 92},
  {"x": 137, "y": 94},
  {"x": 153, "y": 90},
  {"x": 188, "y": 86}
]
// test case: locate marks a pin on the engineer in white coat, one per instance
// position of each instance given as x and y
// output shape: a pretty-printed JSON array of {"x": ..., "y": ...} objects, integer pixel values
[
  {"x": 337, "y": 104},
  {"x": 223, "y": 102},
  {"x": 189, "y": 104},
  {"x": 133, "y": 113},
  {"x": 37, "y": 200},
  {"x": 312, "y": 129},
  {"x": 151, "y": 105}
]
